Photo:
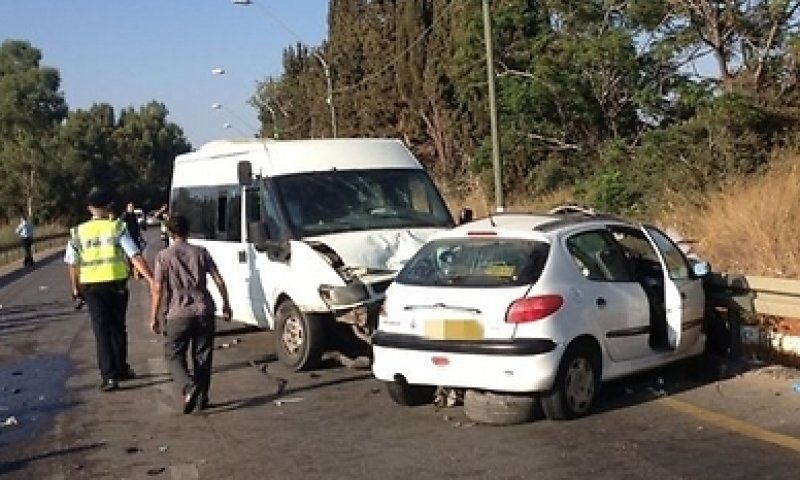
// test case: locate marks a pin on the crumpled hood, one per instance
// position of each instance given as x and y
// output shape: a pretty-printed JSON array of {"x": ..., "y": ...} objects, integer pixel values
[{"x": 377, "y": 249}]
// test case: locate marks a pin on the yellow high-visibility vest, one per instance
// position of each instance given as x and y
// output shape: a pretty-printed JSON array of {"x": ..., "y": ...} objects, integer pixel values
[{"x": 102, "y": 257}]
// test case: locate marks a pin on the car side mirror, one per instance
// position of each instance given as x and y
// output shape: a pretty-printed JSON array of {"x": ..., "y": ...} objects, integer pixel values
[
  {"x": 701, "y": 268},
  {"x": 465, "y": 216},
  {"x": 276, "y": 250}
]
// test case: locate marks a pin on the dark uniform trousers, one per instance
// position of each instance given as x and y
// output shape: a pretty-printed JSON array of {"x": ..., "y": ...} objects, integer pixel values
[
  {"x": 196, "y": 333},
  {"x": 107, "y": 303}
]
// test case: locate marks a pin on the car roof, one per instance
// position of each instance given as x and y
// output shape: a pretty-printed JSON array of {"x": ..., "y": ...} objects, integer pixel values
[{"x": 540, "y": 226}]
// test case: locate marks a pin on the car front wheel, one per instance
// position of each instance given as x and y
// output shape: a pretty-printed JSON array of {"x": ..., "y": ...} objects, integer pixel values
[
  {"x": 299, "y": 339},
  {"x": 576, "y": 384}
]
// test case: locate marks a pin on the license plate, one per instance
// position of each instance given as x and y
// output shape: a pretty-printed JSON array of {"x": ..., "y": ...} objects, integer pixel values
[{"x": 453, "y": 330}]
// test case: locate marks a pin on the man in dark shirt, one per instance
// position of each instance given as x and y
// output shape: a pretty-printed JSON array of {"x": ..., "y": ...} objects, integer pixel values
[{"x": 188, "y": 320}]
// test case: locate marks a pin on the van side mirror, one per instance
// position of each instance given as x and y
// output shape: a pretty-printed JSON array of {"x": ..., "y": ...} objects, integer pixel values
[
  {"x": 244, "y": 172},
  {"x": 276, "y": 250},
  {"x": 465, "y": 216}
]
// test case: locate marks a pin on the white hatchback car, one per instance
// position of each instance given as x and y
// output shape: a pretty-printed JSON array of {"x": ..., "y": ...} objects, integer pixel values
[{"x": 538, "y": 306}]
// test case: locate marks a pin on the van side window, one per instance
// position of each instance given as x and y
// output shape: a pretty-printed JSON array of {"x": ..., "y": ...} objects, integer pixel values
[
  {"x": 213, "y": 212},
  {"x": 273, "y": 218},
  {"x": 233, "y": 223},
  {"x": 261, "y": 206}
]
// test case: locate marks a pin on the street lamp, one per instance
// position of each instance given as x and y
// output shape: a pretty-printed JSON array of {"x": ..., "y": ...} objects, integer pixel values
[
  {"x": 219, "y": 106},
  {"x": 325, "y": 66}
]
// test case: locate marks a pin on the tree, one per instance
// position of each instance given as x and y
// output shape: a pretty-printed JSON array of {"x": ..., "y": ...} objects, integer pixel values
[{"x": 31, "y": 108}]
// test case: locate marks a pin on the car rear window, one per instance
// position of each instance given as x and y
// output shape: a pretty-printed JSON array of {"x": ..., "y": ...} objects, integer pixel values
[{"x": 476, "y": 262}]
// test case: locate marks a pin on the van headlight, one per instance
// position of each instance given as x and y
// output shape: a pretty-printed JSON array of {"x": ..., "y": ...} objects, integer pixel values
[{"x": 354, "y": 293}]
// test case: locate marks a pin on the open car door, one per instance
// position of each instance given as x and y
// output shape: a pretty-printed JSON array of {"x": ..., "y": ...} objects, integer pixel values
[{"x": 683, "y": 293}]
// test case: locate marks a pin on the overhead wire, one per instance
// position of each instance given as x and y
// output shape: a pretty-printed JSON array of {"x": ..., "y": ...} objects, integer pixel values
[{"x": 368, "y": 78}]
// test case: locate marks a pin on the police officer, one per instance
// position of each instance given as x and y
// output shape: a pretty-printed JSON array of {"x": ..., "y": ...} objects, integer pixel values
[{"x": 97, "y": 254}]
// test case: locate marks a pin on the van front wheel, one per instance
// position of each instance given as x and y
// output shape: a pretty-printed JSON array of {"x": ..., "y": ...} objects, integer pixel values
[{"x": 298, "y": 338}]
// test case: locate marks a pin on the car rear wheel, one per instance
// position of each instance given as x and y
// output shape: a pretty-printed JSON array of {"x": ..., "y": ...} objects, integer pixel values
[
  {"x": 500, "y": 408},
  {"x": 409, "y": 395},
  {"x": 576, "y": 384},
  {"x": 299, "y": 339}
]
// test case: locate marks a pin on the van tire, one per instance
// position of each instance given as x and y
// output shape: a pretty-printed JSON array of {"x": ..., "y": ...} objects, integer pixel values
[
  {"x": 298, "y": 338},
  {"x": 493, "y": 408},
  {"x": 409, "y": 395},
  {"x": 576, "y": 384}
]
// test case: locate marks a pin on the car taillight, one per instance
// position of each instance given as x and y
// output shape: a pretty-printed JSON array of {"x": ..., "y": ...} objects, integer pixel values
[{"x": 533, "y": 308}]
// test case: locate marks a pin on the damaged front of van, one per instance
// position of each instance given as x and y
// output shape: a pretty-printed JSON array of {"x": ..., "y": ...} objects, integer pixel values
[{"x": 336, "y": 241}]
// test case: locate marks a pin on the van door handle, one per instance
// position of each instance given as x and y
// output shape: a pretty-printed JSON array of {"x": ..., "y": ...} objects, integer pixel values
[
  {"x": 601, "y": 302},
  {"x": 242, "y": 256}
]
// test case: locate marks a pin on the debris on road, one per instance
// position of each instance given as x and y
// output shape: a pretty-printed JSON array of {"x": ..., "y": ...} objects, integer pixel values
[
  {"x": 10, "y": 422},
  {"x": 282, "y": 401}
]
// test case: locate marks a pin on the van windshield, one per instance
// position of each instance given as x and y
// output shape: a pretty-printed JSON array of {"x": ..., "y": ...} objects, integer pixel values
[{"x": 319, "y": 203}]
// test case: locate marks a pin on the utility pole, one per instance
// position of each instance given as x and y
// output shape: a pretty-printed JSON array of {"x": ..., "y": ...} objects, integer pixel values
[{"x": 498, "y": 171}]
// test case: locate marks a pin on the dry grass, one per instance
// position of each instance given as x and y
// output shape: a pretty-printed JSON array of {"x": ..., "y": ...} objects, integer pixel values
[
  {"x": 751, "y": 226},
  {"x": 482, "y": 203}
]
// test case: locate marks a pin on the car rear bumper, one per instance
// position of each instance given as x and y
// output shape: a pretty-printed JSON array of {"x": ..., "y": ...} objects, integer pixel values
[{"x": 516, "y": 365}]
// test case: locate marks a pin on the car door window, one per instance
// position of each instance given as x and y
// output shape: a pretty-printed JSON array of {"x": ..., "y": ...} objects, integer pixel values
[
  {"x": 597, "y": 257},
  {"x": 677, "y": 266}
]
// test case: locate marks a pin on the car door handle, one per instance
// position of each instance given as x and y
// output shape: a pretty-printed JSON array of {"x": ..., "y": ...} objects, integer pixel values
[
  {"x": 242, "y": 256},
  {"x": 601, "y": 302}
]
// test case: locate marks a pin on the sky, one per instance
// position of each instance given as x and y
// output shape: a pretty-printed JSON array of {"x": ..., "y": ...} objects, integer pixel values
[{"x": 129, "y": 52}]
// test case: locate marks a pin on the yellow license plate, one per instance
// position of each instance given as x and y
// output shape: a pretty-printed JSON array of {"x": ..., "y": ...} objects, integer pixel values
[{"x": 453, "y": 330}]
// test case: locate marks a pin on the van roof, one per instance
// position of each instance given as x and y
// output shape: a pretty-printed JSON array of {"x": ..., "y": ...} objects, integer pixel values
[{"x": 215, "y": 162}]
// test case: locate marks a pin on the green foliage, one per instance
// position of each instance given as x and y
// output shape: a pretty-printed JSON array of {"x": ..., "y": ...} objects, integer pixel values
[
  {"x": 50, "y": 158},
  {"x": 611, "y": 190}
]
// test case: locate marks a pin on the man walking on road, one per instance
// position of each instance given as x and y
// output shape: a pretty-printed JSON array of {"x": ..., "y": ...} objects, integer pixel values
[
  {"x": 188, "y": 319},
  {"x": 25, "y": 233},
  {"x": 97, "y": 254}
]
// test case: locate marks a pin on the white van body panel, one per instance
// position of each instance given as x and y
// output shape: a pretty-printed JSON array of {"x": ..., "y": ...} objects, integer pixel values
[
  {"x": 284, "y": 157},
  {"x": 257, "y": 283}
]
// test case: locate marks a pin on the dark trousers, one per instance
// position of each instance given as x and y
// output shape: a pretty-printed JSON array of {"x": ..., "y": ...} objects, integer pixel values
[
  {"x": 27, "y": 247},
  {"x": 108, "y": 303},
  {"x": 181, "y": 335}
]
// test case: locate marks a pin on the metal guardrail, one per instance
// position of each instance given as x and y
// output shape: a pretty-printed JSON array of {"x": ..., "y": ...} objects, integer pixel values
[
  {"x": 11, "y": 252},
  {"x": 759, "y": 310}
]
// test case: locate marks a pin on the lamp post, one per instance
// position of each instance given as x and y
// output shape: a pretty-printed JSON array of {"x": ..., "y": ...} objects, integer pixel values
[
  {"x": 498, "y": 172},
  {"x": 325, "y": 66}
]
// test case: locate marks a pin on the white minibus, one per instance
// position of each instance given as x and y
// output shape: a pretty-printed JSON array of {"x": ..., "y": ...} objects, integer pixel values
[{"x": 307, "y": 234}]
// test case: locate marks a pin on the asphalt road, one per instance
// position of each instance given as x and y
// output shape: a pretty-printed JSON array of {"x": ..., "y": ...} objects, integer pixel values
[{"x": 337, "y": 423}]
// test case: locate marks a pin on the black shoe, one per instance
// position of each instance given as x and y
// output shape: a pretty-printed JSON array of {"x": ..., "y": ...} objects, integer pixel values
[
  {"x": 190, "y": 399},
  {"x": 202, "y": 401},
  {"x": 129, "y": 374},
  {"x": 109, "y": 385}
]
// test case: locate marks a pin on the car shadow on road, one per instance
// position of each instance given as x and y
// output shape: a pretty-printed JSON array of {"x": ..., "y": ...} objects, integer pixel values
[
  {"x": 665, "y": 381},
  {"x": 281, "y": 392},
  {"x": 20, "y": 464}
]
